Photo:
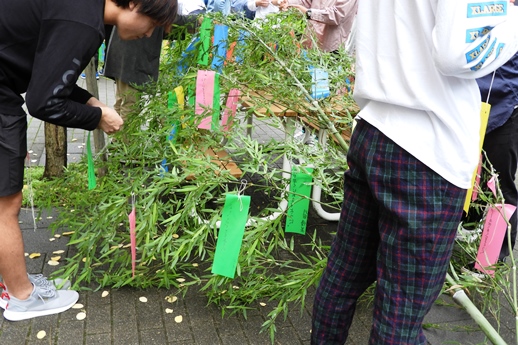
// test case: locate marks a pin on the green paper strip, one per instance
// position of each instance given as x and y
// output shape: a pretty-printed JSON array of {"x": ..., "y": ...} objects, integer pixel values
[
  {"x": 216, "y": 107},
  {"x": 230, "y": 236},
  {"x": 298, "y": 201},
  {"x": 171, "y": 100},
  {"x": 191, "y": 99},
  {"x": 91, "y": 169},
  {"x": 204, "y": 51}
]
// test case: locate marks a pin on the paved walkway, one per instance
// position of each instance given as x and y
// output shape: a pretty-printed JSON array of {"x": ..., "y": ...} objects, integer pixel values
[{"x": 122, "y": 318}]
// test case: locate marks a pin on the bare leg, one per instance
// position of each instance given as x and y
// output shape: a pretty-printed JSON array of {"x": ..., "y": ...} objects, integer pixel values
[{"x": 12, "y": 258}]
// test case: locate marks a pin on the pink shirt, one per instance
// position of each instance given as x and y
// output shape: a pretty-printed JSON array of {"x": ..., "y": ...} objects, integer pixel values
[{"x": 331, "y": 20}]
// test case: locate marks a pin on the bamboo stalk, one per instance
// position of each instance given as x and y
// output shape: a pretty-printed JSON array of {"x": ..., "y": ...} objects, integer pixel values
[{"x": 460, "y": 297}]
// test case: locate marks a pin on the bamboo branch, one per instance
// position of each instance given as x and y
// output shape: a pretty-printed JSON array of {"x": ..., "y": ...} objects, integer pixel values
[{"x": 320, "y": 112}]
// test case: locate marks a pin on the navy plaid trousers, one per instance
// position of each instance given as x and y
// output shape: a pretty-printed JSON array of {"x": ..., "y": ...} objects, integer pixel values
[{"x": 397, "y": 227}]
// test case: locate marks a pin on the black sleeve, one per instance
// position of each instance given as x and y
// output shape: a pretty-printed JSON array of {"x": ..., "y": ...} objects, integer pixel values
[
  {"x": 80, "y": 95},
  {"x": 64, "y": 50}
]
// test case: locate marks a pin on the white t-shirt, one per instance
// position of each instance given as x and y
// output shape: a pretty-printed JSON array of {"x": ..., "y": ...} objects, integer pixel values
[
  {"x": 262, "y": 12},
  {"x": 186, "y": 7},
  {"x": 416, "y": 65}
]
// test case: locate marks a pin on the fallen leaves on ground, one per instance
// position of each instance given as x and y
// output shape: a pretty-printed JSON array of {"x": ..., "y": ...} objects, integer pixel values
[{"x": 171, "y": 299}]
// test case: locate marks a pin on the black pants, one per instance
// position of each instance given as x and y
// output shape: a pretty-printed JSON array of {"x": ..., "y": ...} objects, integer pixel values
[{"x": 501, "y": 147}]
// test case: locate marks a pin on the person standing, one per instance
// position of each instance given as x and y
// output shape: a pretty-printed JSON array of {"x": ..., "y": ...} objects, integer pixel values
[
  {"x": 135, "y": 63},
  {"x": 330, "y": 21},
  {"x": 241, "y": 7},
  {"x": 262, "y": 8},
  {"x": 191, "y": 7},
  {"x": 222, "y": 6},
  {"x": 411, "y": 158},
  {"x": 132, "y": 64},
  {"x": 44, "y": 46}
]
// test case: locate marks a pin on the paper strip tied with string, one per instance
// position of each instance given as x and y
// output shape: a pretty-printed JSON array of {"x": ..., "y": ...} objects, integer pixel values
[
  {"x": 92, "y": 183},
  {"x": 298, "y": 200},
  {"x": 485, "y": 110},
  {"x": 230, "y": 236},
  {"x": 493, "y": 234},
  {"x": 484, "y": 116},
  {"x": 208, "y": 97},
  {"x": 204, "y": 47},
  {"x": 220, "y": 45},
  {"x": 176, "y": 99},
  {"x": 133, "y": 234},
  {"x": 188, "y": 55},
  {"x": 319, "y": 83},
  {"x": 241, "y": 45}
]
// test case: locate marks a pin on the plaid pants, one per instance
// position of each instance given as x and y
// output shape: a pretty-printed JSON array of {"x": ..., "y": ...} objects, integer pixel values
[{"x": 397, "y": 227}]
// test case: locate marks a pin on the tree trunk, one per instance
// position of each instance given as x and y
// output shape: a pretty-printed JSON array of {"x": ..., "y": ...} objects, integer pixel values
[{"x": 56, "y": 150}]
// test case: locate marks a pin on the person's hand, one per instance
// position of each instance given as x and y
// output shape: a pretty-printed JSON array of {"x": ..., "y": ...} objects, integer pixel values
[
  {"x": 262, "y": 3},
  {"x": 298, "y": 7},
  {"x": 283, "y": 5},
  {"x": 111, "y": 121}
]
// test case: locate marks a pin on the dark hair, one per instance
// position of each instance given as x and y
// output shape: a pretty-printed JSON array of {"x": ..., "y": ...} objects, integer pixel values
[{"x": 161, "y": 11}]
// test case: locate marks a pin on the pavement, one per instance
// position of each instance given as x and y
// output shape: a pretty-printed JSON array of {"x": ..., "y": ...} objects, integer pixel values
[{"x": 123, "y": 316}]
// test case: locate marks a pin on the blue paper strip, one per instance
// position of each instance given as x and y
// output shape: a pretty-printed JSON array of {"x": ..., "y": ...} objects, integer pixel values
[{"x": 221, "y": 45}]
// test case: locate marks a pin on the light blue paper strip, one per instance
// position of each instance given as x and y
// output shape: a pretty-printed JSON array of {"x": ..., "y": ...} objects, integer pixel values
[
  {"x": 221, "y": 45},
  {"x": 241, "y": 42},
  {"x": 320, "y": 83}
]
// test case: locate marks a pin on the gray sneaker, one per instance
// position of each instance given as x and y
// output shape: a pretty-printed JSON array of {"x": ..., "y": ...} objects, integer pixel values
[
  {"x": 41, "y": 280},
  {"x": 44, "y": 300},
  {"x": 38, "y": 280}
]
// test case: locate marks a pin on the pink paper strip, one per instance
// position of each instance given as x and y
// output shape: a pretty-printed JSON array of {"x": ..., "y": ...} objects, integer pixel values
[
  {"x": 492, "y": 237},
  {"x": 204, "y": 96},
  {"x": 206, "y": 123},
  {"x": 231, "y": 108},
  {"x": 477, "y": 181},
  {"x": 133, "y": 239},
  {"x": 491, "y": 185}
]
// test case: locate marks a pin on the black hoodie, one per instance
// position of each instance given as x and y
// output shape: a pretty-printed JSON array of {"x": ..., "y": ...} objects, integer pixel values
[{"x": 44, "y": 47}]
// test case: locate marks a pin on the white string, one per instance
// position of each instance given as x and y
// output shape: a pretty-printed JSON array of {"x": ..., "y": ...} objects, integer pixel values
[
  {"x": 240, "y": 191},
  {"x": 490, "y": 86},
  {"x": 133, "y": 199}
]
